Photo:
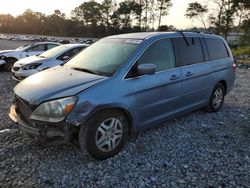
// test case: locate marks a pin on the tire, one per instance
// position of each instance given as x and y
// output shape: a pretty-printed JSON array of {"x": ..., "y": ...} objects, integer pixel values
[
  {"x": 104, "y": 134},
  {"x": 217, "y": 98},
  {"x": 9, "y": 63}
]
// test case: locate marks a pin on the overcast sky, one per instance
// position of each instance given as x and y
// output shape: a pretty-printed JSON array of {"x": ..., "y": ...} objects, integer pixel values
[{"x": 15, "y": 7}]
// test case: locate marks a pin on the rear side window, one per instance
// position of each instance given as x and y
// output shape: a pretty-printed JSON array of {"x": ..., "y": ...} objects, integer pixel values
[
  {"x": 189, "y": 52},
  {"x": 40, "y": 47},
  {"x": 216, "y": 49},
  {"x": 50, "y": 46},
  {"x": 70, "y": 53}
]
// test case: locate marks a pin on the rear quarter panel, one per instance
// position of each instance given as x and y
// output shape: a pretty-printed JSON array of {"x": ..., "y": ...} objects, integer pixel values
[{"x": 223, "y": 71}]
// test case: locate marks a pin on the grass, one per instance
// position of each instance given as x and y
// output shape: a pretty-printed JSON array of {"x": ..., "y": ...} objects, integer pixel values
[{"x": 241, "y": 51}]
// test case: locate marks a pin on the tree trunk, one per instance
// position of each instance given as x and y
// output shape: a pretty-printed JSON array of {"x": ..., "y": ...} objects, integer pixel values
[
  {"x": 203, "y": 22},
  {"x": 239, "y": 25},
  {"x": 146, "y": 14},
  {"x": 160, "y": 15}
]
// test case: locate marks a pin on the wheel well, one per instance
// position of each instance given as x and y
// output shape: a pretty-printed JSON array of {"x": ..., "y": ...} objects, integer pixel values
[
  {"x": 224, "y": 84},
  {"x": 7, "y": 58},
  {"x": 122, "y": 110}
]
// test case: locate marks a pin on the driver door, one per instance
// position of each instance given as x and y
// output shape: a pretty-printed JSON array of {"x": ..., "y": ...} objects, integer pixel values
[{"x": 156, "y": 96}]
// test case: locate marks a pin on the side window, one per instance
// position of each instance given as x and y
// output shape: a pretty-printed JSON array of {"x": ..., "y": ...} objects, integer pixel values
[
  {"x": 40, "y": 47},
  {"x": 190, "y": 53},
  {"x": 50, "y": 46},
  {"x": 159, "y": 53},
  {"x": 216, "y": 49},
  {"x": 70, "y": 53}
]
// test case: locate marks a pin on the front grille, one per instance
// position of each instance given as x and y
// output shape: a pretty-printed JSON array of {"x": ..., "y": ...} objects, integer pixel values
[
  {"x": 24, "y": 109},
  {"x": 16, "y": 68}
]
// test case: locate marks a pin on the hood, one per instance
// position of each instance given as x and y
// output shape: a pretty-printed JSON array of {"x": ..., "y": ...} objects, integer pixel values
[
  {"x": 29, "y": 60},
  {"x": 55, "y": 83},
  {"x": 5, "y": 51}
]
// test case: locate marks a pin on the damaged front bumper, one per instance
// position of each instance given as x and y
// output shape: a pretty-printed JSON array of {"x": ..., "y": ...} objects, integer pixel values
[{"x": 44, "y": 131}]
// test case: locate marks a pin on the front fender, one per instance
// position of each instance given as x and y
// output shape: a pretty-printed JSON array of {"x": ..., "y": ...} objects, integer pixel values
[
  {"x": 85, "y": 110},
  {"x": 11, "y": 55}
]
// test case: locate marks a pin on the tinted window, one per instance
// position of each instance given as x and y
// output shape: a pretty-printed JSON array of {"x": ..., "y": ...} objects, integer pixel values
[
  {"x": 71, "y": 52},
  {"x": 216, "y": 49},
  {"x": 159, "y": 53},
  {"x": 37, "y": 48},
  {"x": 50, "y": 46},
  {"x": 190, "y": 53}
]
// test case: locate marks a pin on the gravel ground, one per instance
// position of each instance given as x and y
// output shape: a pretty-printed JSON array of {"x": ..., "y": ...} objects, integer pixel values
[{"x": 196, "y": 150}]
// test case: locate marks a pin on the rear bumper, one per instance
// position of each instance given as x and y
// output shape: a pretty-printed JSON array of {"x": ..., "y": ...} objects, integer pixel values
[{"x": 44, "y": 133}]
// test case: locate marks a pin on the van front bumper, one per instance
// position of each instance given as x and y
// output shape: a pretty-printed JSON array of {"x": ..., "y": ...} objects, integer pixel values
[{"x": 44, "y": 133}]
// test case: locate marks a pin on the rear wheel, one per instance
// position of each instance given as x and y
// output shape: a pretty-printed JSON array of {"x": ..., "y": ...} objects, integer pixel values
[
  {"x": 217, "y": 98},
  {"x": 104, "y": 135},
  {"x": 9, "y": 63}
]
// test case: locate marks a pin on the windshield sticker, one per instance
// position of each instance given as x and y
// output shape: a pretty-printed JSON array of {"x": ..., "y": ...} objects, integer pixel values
[{"x": 133, "y": 41}]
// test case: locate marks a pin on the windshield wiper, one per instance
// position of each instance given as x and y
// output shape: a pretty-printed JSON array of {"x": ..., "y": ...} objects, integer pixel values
[
  {"x": 84, "y": 70},
  {"x": 91, "y": 71}
]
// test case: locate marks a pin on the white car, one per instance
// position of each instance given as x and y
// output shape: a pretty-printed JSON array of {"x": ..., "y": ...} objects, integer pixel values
[
  {"x": 34, "y": 64},
  {"x": 9, "y": 57}
]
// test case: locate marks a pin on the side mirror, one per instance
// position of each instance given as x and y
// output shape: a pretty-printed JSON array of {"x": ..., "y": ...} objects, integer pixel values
[
  {"x": 65, "y": 58},
  {"x": 146, "y": 69}
]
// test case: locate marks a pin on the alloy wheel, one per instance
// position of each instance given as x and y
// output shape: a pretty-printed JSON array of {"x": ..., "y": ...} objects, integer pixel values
[{"x": 109, "y": 134}]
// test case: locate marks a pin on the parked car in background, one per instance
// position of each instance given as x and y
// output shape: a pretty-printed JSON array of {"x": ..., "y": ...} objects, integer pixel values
[
  {"x": 9, "y": 57},
  {"x": 64, "y": 41},
  {"x": 34, "y": 64},
  {"x": 123, "y": 84}
]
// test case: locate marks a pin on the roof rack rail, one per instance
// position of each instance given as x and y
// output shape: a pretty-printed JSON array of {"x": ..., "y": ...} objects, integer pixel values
[{"x": 197, "y": 31}]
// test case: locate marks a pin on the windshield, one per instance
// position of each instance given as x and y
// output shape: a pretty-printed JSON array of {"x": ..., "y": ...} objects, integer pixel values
[
  {"x": 53, "y": 52},
  {"x": 105, "y": 56}
]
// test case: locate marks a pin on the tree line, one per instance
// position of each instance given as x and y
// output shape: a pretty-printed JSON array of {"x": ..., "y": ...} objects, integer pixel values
[
  {"x": 93, "y": 19},
  {"x": 229, "y": 14}
]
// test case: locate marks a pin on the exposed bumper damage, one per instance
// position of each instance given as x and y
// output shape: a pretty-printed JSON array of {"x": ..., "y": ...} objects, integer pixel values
[{"x": 42, "y": 130}]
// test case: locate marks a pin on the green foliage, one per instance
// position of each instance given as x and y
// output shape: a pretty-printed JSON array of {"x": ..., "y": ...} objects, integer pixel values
[
  {"x": 241, "y": 51},
  {"x": 245, "y": 40},
  {"x": 196, "y": 10}
]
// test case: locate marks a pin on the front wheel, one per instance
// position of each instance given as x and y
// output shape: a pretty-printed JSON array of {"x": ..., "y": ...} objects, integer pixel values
[
  {"x": 217, "y": 98},
  {"x": 104, "y": 134}
]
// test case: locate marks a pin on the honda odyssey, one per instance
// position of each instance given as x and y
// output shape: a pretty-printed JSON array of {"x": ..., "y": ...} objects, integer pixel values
[{"x": 122, "y": 84}]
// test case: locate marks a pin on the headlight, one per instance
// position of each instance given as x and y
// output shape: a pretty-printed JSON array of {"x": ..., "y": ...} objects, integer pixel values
[
  {"x": 31, "y": 66},
  {"x": 54, "y": 111}
]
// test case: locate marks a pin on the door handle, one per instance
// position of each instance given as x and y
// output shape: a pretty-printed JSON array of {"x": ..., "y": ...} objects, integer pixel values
[
  {"x": 174, "y": 77},
  {"x": 189, "y": 74},
  {"x": 27, "y": 55}
]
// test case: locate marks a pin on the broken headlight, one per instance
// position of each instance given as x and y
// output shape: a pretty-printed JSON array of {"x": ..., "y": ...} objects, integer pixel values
[{"x": 54, "y": 111}]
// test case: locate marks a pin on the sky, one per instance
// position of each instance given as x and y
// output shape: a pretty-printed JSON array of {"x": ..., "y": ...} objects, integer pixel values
[{"x": 176, "y": 15}]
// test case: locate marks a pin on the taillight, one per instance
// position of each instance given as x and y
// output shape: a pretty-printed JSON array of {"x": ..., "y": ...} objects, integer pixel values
[{"x": 234, "y": 67}]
